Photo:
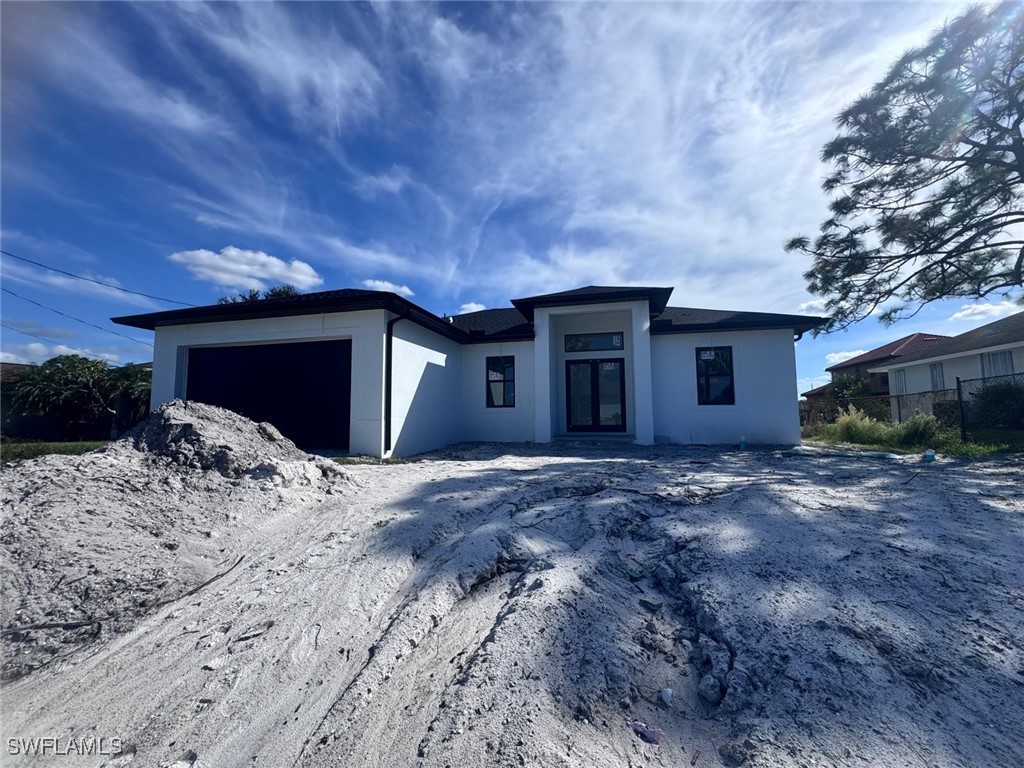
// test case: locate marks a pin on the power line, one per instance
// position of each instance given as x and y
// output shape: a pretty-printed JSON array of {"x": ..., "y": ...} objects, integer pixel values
[
  {"x": 56, "y": 343},
  {"x": 97, "y": 282},
  {"x": 77, "y": 319}
]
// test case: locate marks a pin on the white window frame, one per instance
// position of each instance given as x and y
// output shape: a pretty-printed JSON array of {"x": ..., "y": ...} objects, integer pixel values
[
  {"x": 938, "y": 377},
  {"x": 899, "y": 381},
  {"x": 996, "y": 364}
]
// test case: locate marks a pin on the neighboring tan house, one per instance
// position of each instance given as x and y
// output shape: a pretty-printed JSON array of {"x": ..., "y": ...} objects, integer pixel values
[
  {"x": 863, "y": 366},
  {"x": 996, "y": 349},
  {"x": 369, "y": 372}
]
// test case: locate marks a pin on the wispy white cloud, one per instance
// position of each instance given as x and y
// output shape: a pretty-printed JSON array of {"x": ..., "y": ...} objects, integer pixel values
[
  {"x": 837, "y": 357},
  {"x": 370, "y": 186},
  {"x": 37, "y": 352},
  {"x": 320, "y": 79},
  {"x": 814, "y": 305},
  {"x": 79, "y": 50},
  {"x": 472, "y": 306},
  {"x": 987, "y": 311},
  {"x": 386, "y": 285},
  {"x": 38, "y": 329},
  {"x": 18, "y": 272},
  {"x": 238, "y": 268}
]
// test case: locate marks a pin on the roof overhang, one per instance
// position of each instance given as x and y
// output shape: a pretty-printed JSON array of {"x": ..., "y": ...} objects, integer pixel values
[
  {"x": 305, "y": 304},
  {"x": 657, "y": 299}
]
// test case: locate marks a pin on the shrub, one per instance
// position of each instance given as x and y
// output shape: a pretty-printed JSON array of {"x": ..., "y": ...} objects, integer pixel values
[
  {"x": 921, "y": 429},
  {"x": 854, "y": 426},
  {"x": 1000, "y": 405}
]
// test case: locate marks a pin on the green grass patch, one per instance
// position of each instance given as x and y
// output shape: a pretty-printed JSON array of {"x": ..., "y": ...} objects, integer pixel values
[
  {"x": 20, "y": 451},
  {"x": 367, "y": 460}
]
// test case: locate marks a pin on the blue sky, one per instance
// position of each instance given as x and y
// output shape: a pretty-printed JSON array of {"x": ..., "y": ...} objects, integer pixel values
[{"x": 460, "y": 154}]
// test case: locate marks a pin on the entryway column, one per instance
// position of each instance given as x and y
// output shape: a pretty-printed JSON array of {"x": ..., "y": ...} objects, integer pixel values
[
  {"x": 542, "y": 376},
  {"x": 643, "y": 392}
]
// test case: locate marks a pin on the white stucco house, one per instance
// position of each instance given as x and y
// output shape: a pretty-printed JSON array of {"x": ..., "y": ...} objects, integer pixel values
[
  {"x": 993, "y": 350},
  {"x": 371, "y": 373}
]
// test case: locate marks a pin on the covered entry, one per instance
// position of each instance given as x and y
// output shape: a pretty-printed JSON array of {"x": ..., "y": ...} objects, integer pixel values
[
  {"x": 302, "y": 388},
  {"x": 595, "y": 397}
]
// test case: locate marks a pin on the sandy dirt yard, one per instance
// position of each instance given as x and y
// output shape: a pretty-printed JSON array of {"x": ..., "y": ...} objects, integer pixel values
[{"x": 210, "y": 596}]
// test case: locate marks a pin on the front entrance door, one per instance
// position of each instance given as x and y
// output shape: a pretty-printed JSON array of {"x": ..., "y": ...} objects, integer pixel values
[{"x": 595, "y": 395}]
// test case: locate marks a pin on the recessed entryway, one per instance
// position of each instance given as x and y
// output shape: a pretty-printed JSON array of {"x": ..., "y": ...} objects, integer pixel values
[{"x": 595, "y": 395}]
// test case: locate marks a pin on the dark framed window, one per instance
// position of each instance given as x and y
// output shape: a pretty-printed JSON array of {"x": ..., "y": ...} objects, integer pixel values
[
  {"x": 715, "y": 385},
  {"x": 501, "y": 382},
  {"x": 593, "y": 342}
]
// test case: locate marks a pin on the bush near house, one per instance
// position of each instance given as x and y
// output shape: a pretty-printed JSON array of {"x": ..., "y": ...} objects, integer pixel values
[
  {"x": 918, "y": 433},
  {"x": 85, "y": 399},
  {"x": 999, "y": 405}
]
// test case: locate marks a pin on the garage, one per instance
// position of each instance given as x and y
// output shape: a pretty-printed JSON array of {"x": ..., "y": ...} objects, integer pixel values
[{"x": 302, "y": 388}]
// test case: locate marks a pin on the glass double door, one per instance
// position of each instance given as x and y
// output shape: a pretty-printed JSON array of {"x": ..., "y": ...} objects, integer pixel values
[{"x": 595, "y": 395}]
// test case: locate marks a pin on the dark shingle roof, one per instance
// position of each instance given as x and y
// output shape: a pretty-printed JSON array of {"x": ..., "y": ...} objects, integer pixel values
[
  {"x": 816, "y": 391},
  {"x": 908, "y": 345},
  {"x": 507, "y": 324},
  {"x": 690, "y": 320},
  {"x": 1006, "y": 331},
  {"x": 344, "y": 300},
  {"x": 594, "y": 294},
  {"x": 487, "y": 325},
  {"x": 494, "y": 325},
  {"x": 10, "y": 372}
]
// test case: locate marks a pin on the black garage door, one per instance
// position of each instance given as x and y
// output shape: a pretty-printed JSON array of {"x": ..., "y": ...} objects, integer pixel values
[{"x": 304, "y": 389}]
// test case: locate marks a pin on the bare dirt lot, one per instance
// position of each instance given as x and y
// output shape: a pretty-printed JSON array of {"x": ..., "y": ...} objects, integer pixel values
[{"x": 212, "y": 597}]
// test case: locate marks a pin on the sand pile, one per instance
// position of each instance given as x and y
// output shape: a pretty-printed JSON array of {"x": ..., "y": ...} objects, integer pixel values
[{"x": 92, "y": 543}]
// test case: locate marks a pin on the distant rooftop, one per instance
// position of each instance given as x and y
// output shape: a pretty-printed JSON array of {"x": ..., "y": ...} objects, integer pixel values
[
  {"x": 908, "y": 345},
  {"x": 1006, "y": 331}
]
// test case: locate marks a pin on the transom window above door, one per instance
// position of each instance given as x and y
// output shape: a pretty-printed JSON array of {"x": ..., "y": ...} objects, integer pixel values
[{"x": 593, "y": 342}]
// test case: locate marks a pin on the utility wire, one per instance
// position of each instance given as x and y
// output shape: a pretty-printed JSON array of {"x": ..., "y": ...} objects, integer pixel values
[
  {"x": 97, "y": 282},
  {"x": 51, "y": 341},
  {"x": 77, "y": 319}
]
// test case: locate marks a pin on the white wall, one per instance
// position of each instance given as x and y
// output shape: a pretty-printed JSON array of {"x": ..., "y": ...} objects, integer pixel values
[
  {"x": 426, "y": 394},
  {"x": 513, "y": 425},
  {"x": 365, "y": 329},
  {"x": 919, "y": 377},
  {"x": 764, "y": 371}
]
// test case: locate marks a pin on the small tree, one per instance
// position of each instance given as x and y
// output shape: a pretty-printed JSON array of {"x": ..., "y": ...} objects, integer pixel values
[{"x": 253, "y": 294}]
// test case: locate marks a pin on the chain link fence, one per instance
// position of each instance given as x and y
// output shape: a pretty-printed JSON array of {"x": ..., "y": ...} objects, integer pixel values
[
  {"x": 992, "y": 409},
  {"x": 989, "y": 410}
]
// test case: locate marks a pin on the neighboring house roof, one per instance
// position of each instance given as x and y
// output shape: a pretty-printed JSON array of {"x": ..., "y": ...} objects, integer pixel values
[
  {"x": 908, "y": 345},
  {"x": 816, "y": 391},
  {"x": 10, "y": 372},
  {"x": 1009, "y": 330},
  {"x": 487, "y": 325}
]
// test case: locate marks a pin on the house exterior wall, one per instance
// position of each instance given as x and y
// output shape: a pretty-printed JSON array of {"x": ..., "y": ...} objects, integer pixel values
[
  {"x": 966, "y": 366},
  {"x": 365, "y": 329},
  {"x": 512, "y": 425},
  {"x": 438, "y": 385},
  {"x": 425, "y": 386},
  {"x": 764, "y": 373}
]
